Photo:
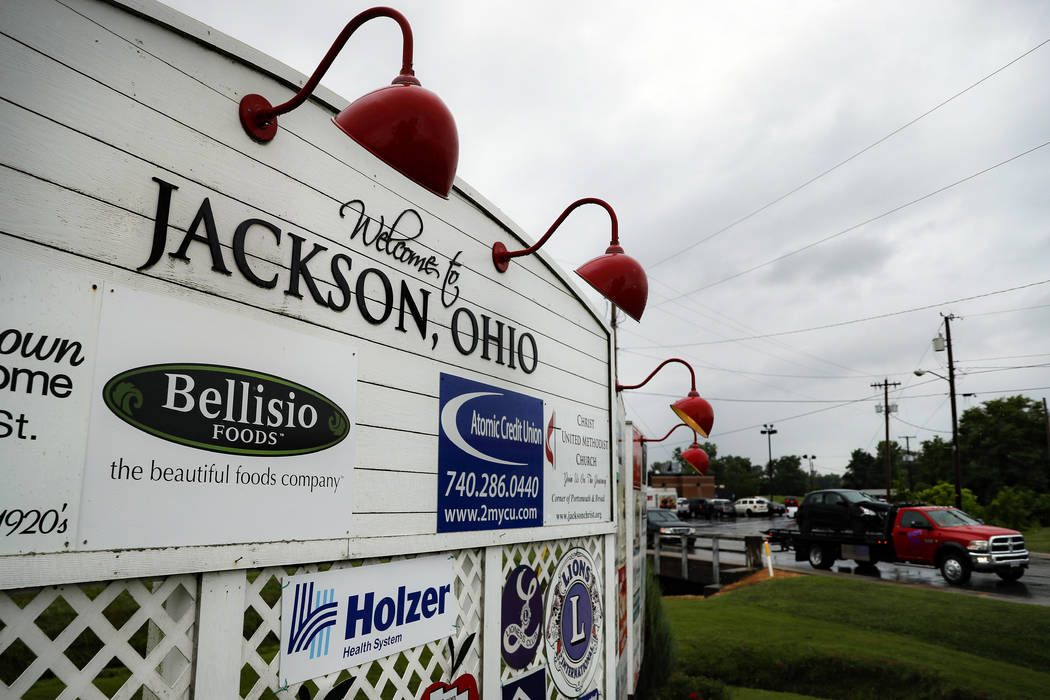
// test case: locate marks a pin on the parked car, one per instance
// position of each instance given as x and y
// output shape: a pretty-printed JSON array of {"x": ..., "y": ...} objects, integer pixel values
[
  {"x": 775, "y": 508},
  {"x": 682, "y": 507},
  {"x": 699, "y": 508},
  {"x": 790, "y": 501},
  {"x": 721, "y": 508},
  {"x": 751, "y": 506},
  {"x": 666, "y": 525},
  {"x": 841, "y": 509}
]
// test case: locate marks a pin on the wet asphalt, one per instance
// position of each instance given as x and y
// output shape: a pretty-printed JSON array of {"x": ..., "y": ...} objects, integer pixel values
[{"x": 1033, "y": 587}]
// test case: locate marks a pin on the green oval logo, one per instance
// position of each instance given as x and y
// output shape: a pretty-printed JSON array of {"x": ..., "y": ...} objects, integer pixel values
[{"x": 226, "y": 409}]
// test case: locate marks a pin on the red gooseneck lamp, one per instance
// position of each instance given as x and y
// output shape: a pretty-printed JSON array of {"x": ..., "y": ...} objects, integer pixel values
[
  {"x": 695, "y": 456},
  {"x": 404, "y": 125},
  {"x": 694, "y": 411},
  {"x": 616, "y": 276}
]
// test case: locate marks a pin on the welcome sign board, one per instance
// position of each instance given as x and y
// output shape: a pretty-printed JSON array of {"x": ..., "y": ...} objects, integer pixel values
[
  {"x": 373, "y": 287},
  {"x": 223, "y": 361}
]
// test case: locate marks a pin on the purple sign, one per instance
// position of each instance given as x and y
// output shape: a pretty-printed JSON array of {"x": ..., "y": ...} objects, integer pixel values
[
  {"x": 522, "y": 617},
  {"x": 530, "y": 687}
]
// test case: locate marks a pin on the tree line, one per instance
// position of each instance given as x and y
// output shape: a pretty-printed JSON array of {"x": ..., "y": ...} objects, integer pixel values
[{"x": 1004, "y": 454}]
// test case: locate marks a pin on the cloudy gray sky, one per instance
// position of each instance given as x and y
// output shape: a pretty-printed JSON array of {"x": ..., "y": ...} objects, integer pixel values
[{"x": 720, "y": 133}]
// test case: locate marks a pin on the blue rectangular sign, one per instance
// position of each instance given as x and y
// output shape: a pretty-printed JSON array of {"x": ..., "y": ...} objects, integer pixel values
[{"x": 490, "y": 457}]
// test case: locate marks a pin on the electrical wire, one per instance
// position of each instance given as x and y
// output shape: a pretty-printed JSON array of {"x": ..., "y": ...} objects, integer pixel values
[
  {"x": 854, "y": 227},
  {"x": 920, "y": 427},
  {"x": 1007, "y": 311},
  {"x": 839, "y": 324},
  {"x": 1006, "y": 357},
  {"x": 847, "y": 160}
]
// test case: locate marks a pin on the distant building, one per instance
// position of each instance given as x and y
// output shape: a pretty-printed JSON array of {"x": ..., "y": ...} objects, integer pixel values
[{"x": 687, "y": 485}]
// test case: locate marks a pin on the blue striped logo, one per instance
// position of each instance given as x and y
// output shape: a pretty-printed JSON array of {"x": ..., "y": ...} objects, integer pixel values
[{"x": 313, "y": 617}]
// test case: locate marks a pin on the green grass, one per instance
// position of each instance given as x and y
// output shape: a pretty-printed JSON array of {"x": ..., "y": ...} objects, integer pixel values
[
  {"x": 1037, "y": 539},
  {"x": 837, "y": 638}
]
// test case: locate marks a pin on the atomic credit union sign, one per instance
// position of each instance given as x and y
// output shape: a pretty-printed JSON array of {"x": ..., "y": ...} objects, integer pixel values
[{"x": 490, "y": 457}]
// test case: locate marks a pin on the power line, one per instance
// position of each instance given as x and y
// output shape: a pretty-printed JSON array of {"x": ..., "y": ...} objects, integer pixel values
[
  {"x": 838, "y": 324},
  {"x": 867, "y": 398},
  {"x": 854, "y": 227},
  {"x": 840, "y": 164},
  {"x": 921, "y": 427},
  {"x": 1006, "y": 357},
  {"x": 1007, "y": 311},
  {"x": 766, "y": 374},
  {"x": 734, "y": 323}
]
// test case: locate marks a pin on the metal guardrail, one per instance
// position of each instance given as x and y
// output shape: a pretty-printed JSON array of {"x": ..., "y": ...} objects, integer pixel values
[{"x": 752, "y": 551}]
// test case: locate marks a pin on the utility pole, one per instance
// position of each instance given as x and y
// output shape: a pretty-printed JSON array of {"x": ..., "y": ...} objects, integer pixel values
[
  {"x": 908, "y": 458},
  {"x": 955, "y": 420},
  {"x": 812, "y": 476},
  {"x": 1046, "y": 416},
  {"x": 885, "y": 386}
]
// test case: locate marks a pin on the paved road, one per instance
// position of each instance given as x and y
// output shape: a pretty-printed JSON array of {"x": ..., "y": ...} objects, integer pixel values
[{"x": 1034, "y": 586}]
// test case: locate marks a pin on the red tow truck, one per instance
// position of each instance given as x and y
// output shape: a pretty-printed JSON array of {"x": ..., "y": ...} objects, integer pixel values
[{"x": 938, "y": 536}]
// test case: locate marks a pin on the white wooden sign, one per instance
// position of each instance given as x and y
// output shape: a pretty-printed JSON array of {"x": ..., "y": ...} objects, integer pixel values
[
  {"x": 348, "y": 617},
  {"x": 151, "y": 185},
  {"x": 577, "y": 486},
  {"x": 211, "y": 428},
  {"x": 48, "y": 330}
]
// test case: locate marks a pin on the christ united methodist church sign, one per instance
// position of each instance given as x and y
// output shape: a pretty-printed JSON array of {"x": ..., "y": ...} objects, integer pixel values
[{"x": 229, "y": 364}]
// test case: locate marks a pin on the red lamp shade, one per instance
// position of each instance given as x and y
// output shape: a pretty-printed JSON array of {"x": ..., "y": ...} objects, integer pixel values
[
  {"x": 619, "y": 278},
  {"x": 410, "y": 129},
  {"x": 697, "y": 458},
  {"x": 695, "y": 412},
  {"x": 404, "y": 125}
]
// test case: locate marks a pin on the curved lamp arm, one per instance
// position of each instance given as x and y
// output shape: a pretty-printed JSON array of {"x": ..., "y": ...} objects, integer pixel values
[
  {"x": 680, "y": 425},
  {"x": 259, "y": 117},
  {"x": 692, "y": 377},
  {"x": 501, "y": 257}
]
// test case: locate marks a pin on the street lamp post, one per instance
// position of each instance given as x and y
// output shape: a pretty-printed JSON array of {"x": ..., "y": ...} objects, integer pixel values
[{"x": 769, "y": 432}]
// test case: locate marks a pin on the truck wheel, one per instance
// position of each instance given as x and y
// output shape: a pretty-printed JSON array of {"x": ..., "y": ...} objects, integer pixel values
[
  {"x": 955, "y": 568},
  {"x": 1011, "y": 574},
  {"x": 818, "y": 557}
]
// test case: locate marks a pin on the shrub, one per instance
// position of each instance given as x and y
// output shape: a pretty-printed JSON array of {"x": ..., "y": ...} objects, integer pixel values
[
  {"x": 1041, "y": 509},
  {"x": 1012, "y": 508},
  {"x": 682, "y": 687},
  {"x": 943, "y": 494},
  {"x": 659, "y": 651}
]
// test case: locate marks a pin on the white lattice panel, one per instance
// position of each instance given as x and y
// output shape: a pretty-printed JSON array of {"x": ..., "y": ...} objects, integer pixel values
[
  {"x": 543, "y": 557},
  {"x": 96, "y": 641},
  {"x": 398, "y": 676}
]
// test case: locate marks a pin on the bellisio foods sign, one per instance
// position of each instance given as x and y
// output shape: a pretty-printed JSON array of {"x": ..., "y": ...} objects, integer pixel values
[{"x": 226, "y": 409}]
